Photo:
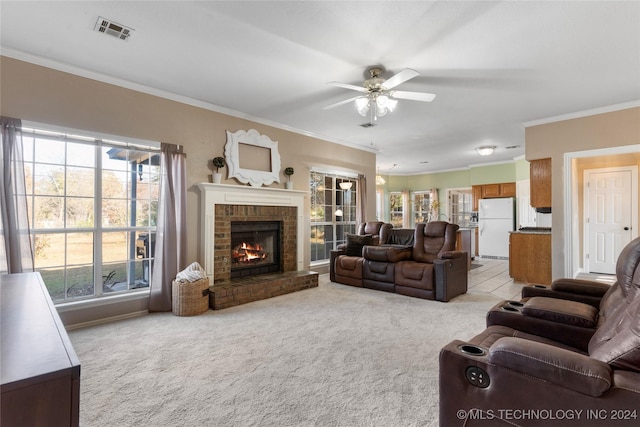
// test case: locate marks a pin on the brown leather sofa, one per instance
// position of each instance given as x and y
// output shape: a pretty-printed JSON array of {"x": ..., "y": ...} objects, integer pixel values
[
  {"x": 505, "y": 376},
  {"x": 348, "y": 268},
  {"x": 435, "y": 270},
  {"x": 427, "y": 267},
  {"x": 550, "y": 312}
]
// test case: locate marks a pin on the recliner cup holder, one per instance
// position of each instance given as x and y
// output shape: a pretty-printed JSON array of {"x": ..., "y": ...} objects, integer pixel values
[
  {"x": 515, "y": 303},
  {"x": 472, "y": 350},
  {"x": 509, "y": 308}
]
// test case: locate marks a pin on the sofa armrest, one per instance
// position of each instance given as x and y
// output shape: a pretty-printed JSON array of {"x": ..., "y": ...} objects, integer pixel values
[
  {"x": 451, "y": 277},
  {"x": 580, "y": 287},
  {"x": 546, "y": 291},
  {"x": 387, "y": 253},
  {"x": 332, "y": 261},
  {"x": 561, "y": 311},
  {"x": 453, "y": 254},
  {"x": 555, "y": 365}
]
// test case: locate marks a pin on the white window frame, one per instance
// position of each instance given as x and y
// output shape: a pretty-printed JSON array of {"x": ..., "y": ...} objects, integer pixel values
[
  {"x": 348, "y": 221},
  {"x": 415, "y": 212},
  {"x": 98, "y": 141}
]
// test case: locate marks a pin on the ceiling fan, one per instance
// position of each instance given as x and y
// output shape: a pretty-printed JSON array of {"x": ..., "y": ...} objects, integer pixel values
[{"x": 379, "y": 96}]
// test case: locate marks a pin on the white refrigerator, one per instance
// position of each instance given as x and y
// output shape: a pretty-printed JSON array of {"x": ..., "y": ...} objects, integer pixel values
[{"x": 496, "y": 218}]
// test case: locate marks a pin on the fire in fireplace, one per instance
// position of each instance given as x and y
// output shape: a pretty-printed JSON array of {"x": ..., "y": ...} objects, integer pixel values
[
  {"x": 248, "y": 253},
  {"x": 255, "y": 248}
]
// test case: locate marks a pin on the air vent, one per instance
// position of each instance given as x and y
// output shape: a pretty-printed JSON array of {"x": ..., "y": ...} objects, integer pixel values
[
  {"x": 368, "y": 125},
  {"x": 511, "y": 147},
  {"x": 424, "y": 162},
  {"x": 111, "y": 28}
]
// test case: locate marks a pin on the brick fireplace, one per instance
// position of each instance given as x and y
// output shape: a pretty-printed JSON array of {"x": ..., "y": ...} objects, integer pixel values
[
  {"x": 221, "y": 205},
  {"x": 226, "y": 215}
]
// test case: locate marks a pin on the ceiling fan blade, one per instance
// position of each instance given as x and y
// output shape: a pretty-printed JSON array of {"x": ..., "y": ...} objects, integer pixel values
[
  {"x": 399, "y": 78},
  {"x": 348, "y": 86},
  {"x": 337, "y": 104},
  {"x": 413, "y": 96}
]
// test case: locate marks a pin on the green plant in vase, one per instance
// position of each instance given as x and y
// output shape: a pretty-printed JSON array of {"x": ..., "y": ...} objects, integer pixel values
[
  {"x": 218, "y": 162},
  {"x": 288, "y": 172}
]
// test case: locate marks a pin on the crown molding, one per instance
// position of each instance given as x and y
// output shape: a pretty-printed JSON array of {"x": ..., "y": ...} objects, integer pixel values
[{"x": 584, "y": 113}]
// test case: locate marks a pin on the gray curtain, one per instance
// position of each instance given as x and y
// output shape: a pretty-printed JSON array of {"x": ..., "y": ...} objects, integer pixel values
[
  {"x": 361, "y": 211},
  {"x": 171, "y": 237},
  {"x": 16, "y": 251}
]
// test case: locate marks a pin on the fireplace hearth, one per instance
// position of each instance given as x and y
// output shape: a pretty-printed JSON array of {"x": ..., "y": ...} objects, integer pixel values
[
  {"x": 222, "y": 205},
  {"x": 255, "y": 248}
]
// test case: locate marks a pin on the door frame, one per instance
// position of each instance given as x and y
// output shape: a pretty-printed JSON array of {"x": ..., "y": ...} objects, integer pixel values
[
  {"x": 571, "y": 220},
  {"x": 586, "y": 200}
]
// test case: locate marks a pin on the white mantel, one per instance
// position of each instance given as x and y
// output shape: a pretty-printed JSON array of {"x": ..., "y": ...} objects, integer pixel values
[{"x": 223, "y": 194}]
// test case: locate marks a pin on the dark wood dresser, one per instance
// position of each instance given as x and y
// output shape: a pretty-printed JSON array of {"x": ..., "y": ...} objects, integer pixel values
[{"x": 39, "y": 369}]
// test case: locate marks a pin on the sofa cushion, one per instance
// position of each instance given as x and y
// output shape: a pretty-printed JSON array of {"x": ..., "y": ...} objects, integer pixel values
[
  {"x": 417, "y": 275},
  {"x": 349, "y": 263},
  {"x": 617, "y": 341},
  {"x": 355, "y": 243}
]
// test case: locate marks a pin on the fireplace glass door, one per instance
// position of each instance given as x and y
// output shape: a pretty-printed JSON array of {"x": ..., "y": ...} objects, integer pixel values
[{"x": 255, "y": 248}]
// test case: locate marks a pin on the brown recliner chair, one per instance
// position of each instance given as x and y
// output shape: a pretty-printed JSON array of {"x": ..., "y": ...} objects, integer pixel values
[
  {"x": 436, "y": 270},
  {"x": 345, "y": 262},
  {"x": 379, "y": 231},
  {"x": 557, "y": 317},
  {"x": 506, "y": 377}
]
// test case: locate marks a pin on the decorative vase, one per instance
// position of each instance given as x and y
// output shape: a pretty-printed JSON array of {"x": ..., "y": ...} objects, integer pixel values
[
  {"x": 217, "y": 177},
  {"x": 288, "y": 185}
]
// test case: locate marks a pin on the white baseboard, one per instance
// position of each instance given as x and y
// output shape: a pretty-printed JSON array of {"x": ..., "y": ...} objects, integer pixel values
[{"x": 106, "y": 320}]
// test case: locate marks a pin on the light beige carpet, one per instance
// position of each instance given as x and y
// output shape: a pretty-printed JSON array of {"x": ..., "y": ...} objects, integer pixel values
[{"x": 329, "y": 356}]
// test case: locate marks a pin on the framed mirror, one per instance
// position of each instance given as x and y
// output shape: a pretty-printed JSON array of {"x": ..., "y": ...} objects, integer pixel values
[{"x": 252, "y": 158}]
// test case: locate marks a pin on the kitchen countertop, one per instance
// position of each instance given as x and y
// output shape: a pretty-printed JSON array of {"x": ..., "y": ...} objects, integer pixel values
[{"x": 533, "y": 230}]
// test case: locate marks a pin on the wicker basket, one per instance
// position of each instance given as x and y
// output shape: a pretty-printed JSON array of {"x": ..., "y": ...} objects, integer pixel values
[{"x": 190, "y": 298}]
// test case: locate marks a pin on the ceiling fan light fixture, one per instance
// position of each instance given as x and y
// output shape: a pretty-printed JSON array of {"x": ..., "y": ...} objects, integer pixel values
[
  {"x": 392, "y": 104},
  {"x": 382, "y": 101},
  {"x": 362, "y": 105},
  {"x": 486, "y": 150}
]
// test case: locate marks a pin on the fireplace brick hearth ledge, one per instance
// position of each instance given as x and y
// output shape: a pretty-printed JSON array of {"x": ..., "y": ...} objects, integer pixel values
[
  {"x": 219, "y": 205},
  {"x": 255, "y": 288}
]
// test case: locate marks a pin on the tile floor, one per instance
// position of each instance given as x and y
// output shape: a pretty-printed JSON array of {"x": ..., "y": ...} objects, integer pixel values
[{"x": 492, "y": 276}]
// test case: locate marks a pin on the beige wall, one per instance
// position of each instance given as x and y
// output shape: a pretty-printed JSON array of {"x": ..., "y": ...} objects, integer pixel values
[
  {"x": 40, "y": 94},
  {"x": 596, "y": 132}
]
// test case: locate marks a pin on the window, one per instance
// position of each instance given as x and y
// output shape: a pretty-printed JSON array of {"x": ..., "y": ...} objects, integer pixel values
[
  {"x": 333, "y": 212},
  {"x": 460, "y": 206},
  {"x": 93, "y": 207},
  {"x": 379, "y": 204},
  {"x": 422, "y": 211},
  {"x": 396, "y": 209}
]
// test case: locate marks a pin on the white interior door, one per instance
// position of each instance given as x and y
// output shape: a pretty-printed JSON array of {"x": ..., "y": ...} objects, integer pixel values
[{"x": 610, "y": 197}]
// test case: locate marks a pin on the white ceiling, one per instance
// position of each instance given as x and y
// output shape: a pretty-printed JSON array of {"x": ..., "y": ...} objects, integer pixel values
[{"x": 493, "y": 65}]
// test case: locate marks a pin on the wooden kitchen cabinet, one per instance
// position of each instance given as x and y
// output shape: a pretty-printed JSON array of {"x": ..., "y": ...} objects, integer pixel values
[
  {"x": 540, "y": 182},
  {"x": 476, "y": 194},
  {"x": 40, "y": 370},
  {"x": 463, "y": 244},
  {"x": 530, "y": 257},
  {"x": 508, "y": 189},
  {"x": 492, "y": 191}
]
